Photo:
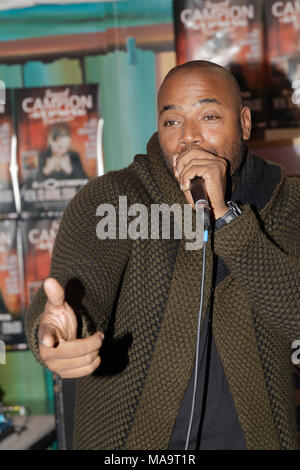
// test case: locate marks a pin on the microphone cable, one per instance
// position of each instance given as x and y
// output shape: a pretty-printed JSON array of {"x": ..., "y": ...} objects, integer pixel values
[
  {"x": 201, "y": 204},
  {"x": 205, "y": 238}
]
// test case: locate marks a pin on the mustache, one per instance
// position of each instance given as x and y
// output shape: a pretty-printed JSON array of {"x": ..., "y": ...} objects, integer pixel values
[{"x": 186, "y": 148}]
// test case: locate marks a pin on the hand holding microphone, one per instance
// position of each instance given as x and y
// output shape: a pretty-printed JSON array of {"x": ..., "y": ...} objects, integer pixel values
[{"x": 197, "y": 162}]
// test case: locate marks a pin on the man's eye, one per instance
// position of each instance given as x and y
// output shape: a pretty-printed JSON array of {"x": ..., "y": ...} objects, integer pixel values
[
  {"x": 211, "y": 117},
  {"x": 170, "y": 123}
]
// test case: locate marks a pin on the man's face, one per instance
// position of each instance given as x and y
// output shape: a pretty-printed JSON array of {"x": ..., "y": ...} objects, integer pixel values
[{"x": 199, "y": 109}]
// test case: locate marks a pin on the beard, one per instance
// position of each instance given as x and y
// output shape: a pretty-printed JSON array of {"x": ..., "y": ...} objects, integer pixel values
[{"x": 237, "y": 153}]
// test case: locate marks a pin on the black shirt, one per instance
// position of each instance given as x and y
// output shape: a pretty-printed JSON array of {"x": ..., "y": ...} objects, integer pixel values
[{"x": 215, "y": 424}]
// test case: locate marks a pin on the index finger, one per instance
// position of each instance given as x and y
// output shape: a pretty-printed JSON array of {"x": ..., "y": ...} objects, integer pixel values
[{"x": 185, "y": 156}]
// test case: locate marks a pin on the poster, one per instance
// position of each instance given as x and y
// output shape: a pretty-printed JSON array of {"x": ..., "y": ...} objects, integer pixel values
[
  {"x": 283, "y": 60},
  {"x": 57, "y": 144},
  {"x": 38, "y": 237},
  {"x": 229, "y": 33},
  {"x": 7, "y": 204},
  {"x": 11, "y": 287}
]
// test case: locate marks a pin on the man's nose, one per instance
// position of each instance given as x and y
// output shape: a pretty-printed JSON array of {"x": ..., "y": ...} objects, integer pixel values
[{"x": 191, "y": 132}]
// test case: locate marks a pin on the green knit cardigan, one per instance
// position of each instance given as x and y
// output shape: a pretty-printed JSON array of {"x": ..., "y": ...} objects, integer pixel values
[{"x": 144, "y": 295}]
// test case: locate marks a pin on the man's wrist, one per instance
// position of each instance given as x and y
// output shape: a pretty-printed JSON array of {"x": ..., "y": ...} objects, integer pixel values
[
  {"x": 218, "y": 213},
  {"x": 233, "y": 211}
]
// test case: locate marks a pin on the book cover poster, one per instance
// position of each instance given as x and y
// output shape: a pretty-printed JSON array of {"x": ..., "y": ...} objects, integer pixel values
[
  {"x": 38, "y": 240},
  {"x": 283, "y": 62},
  {"x": 57, "y": 143},
  {"x": 229, "y": 33},
  {"x": 11, "y": 287},
  {"x": 7, "y": 203}
]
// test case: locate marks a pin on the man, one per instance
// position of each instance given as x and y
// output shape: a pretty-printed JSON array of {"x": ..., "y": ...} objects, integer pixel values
[{"x": 135, "y": 387}]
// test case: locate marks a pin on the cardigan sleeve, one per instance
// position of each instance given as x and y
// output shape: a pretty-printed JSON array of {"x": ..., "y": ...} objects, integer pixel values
[
  {"x": 267, "y": 267},
  {"x": 88, "y": 267}
]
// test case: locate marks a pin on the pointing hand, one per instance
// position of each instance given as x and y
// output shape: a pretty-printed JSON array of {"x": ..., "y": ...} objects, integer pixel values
[{"x": 60, "y": 350}]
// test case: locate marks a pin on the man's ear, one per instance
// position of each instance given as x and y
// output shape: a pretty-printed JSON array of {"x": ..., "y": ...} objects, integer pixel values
[{"x": 246, "y": 123}]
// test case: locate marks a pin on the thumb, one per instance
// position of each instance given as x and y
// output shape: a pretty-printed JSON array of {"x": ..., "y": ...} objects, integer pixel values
[
  {"x": 54, "y": 292},
  {"x": 59, "y": 318}
]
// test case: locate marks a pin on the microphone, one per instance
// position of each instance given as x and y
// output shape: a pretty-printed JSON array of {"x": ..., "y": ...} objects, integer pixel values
[{"x": 199, "y": 195}]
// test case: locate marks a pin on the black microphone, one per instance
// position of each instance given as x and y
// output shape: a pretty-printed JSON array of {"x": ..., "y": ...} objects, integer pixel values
[{"x": 199, "y": 195}]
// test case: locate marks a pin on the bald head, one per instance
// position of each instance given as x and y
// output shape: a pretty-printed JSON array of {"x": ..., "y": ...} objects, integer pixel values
[
  {"x": 206, "y": 68},
  {"x": 199, "y": 104}
]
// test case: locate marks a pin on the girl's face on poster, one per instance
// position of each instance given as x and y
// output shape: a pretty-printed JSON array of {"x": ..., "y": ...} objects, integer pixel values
[{"x": 60, "y": 146}]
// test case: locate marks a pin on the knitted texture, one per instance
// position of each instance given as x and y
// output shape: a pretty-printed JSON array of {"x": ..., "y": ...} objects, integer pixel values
[
  {"x": 266, "y": 268},
  {"x": 144, "y": 294}
]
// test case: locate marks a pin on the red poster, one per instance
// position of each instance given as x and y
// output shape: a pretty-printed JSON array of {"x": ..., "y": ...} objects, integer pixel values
[
  {"x": 11, "y": 287},
  {"x": 57, "y": 143},
  {"x": 229, "y": 33},
  {"x": 283, "y": 54},
  {"x": 38, "y": 241}
]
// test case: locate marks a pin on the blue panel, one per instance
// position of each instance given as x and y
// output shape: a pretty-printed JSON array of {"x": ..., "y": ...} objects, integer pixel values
[
  {"x": 11, "y": 75},
  {"x": 128, "y": 97},
  {"x": 35, "y": 74},
  {"x": 45, "y": 20}
]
